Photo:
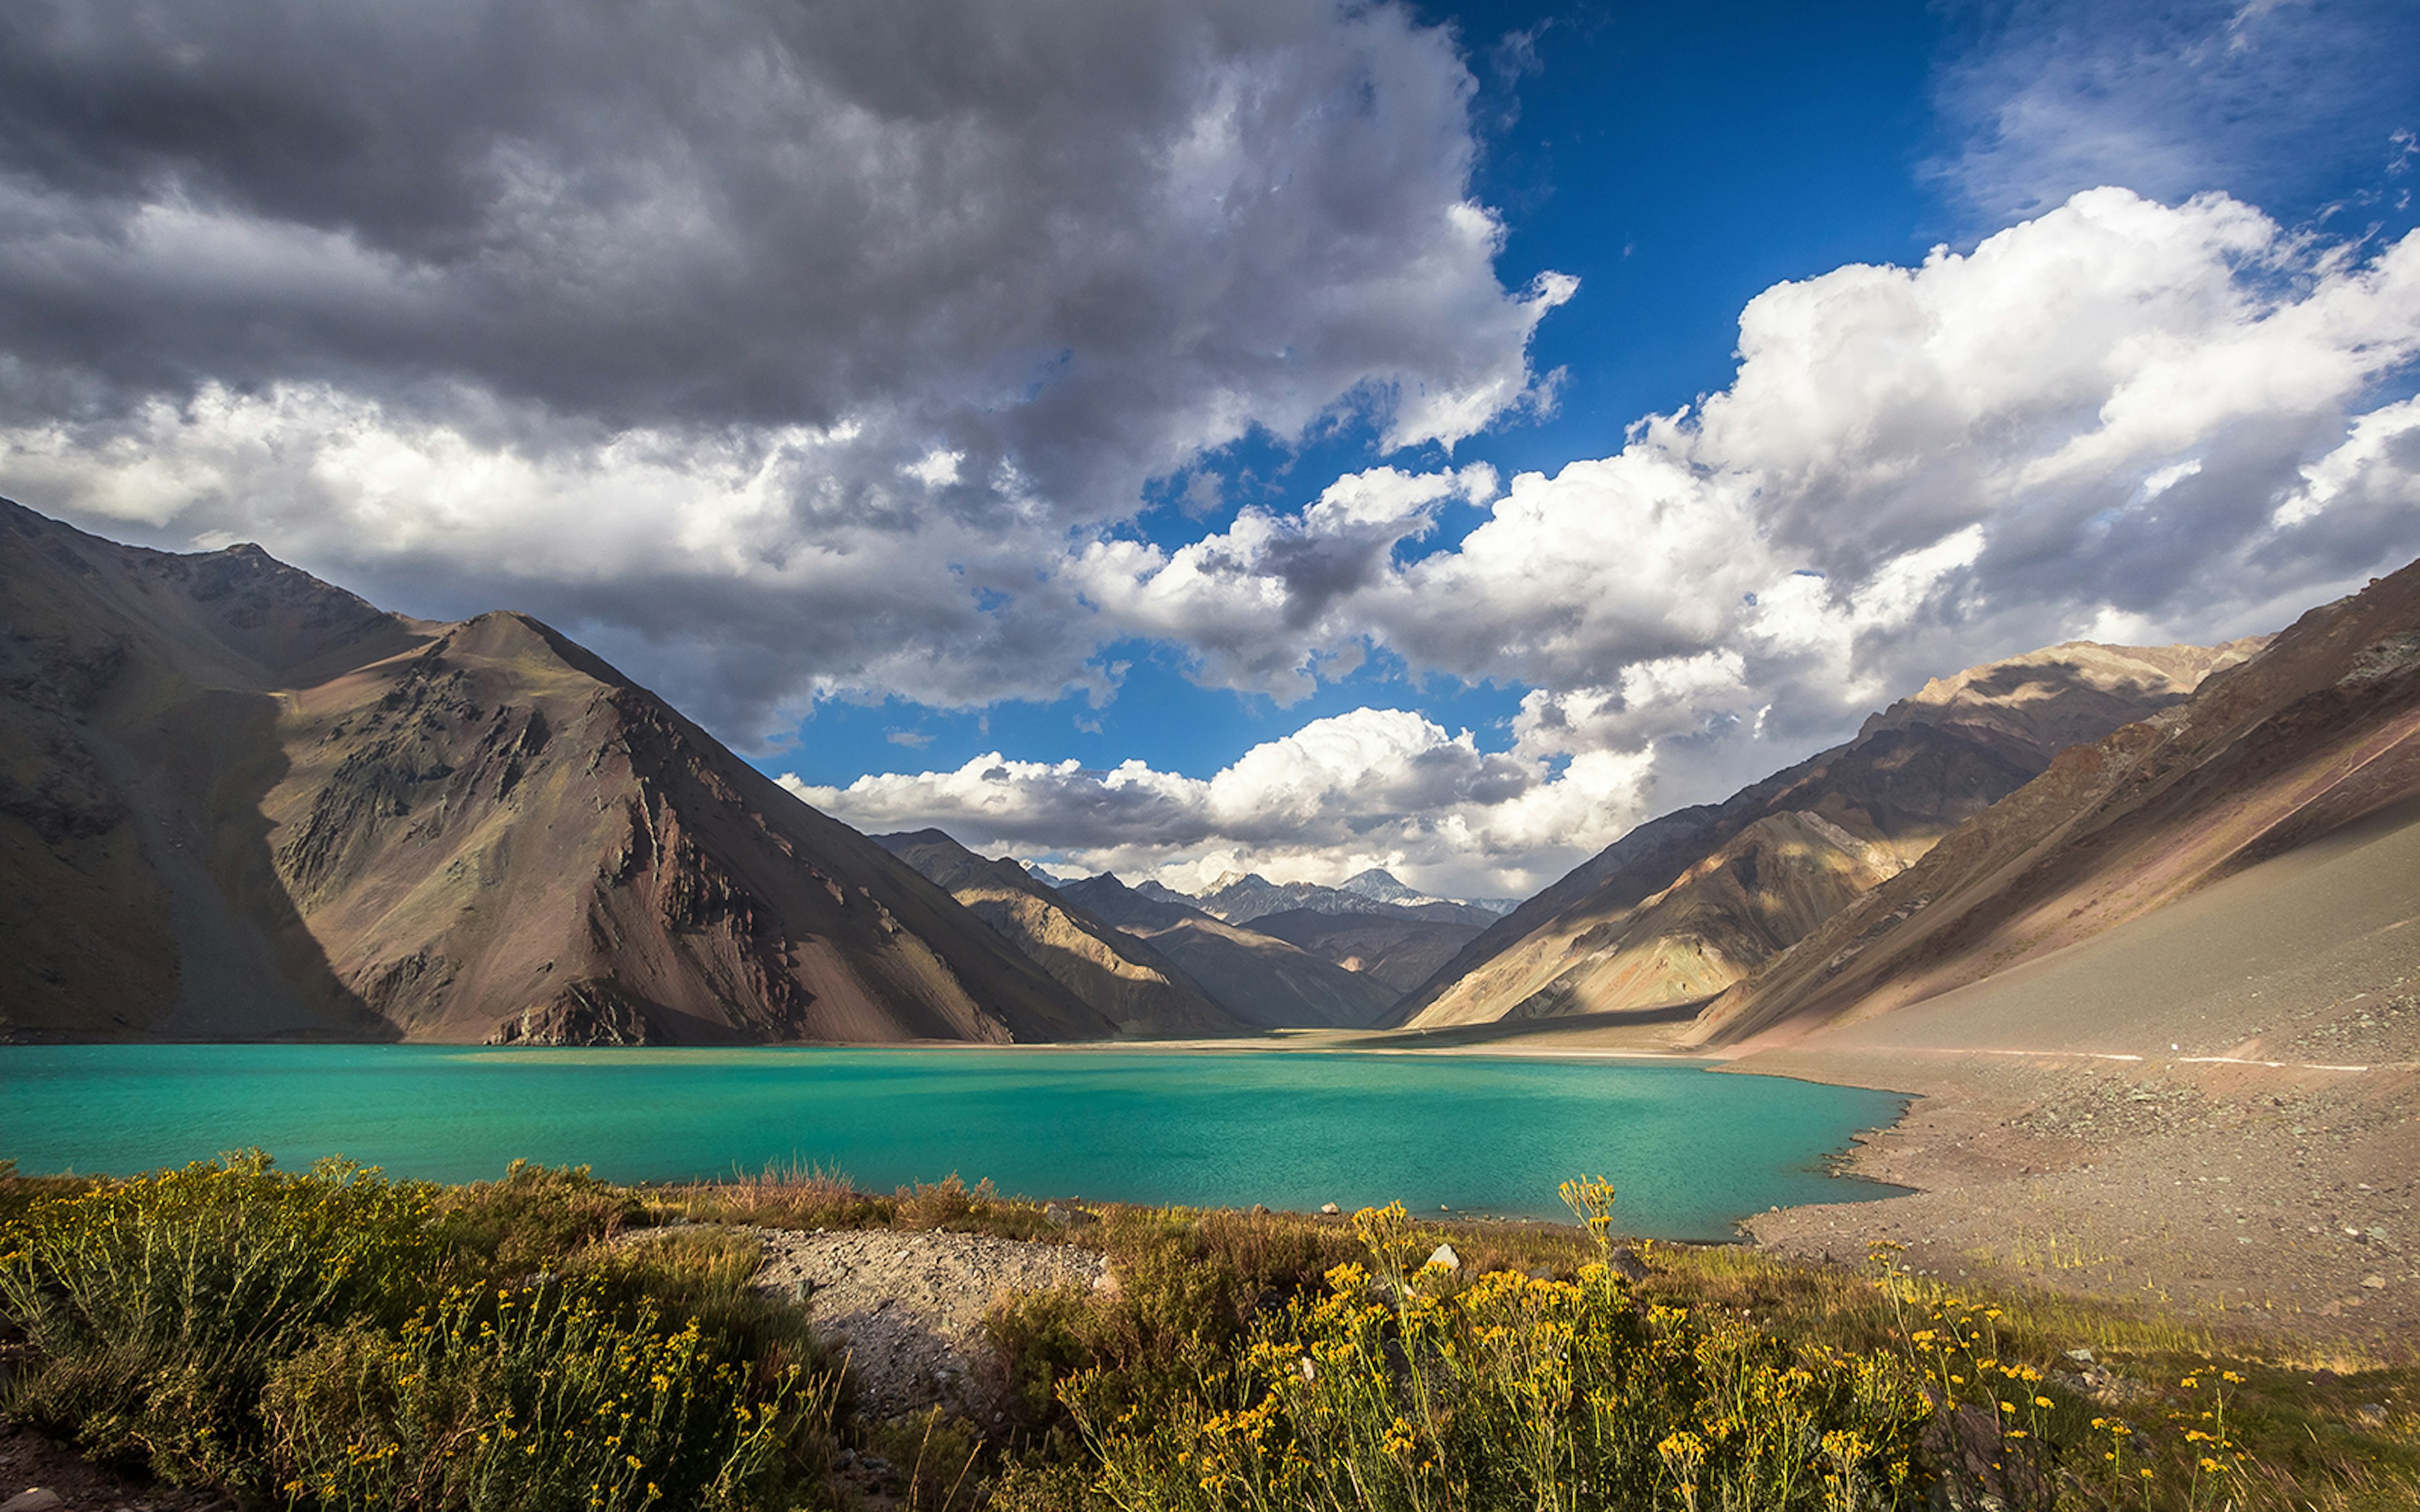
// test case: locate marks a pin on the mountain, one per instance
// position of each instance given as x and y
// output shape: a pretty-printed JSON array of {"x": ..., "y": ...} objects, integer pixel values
[
  {"x": 1380, "y": 886},
  {"x": 1118, "y": 976},
  {"x": 1044, "y": 875},
  {"x": 1685, "y": 905},
  {"x": 237, "y": 802},
  {"x": 1257, "y": 977},
  {"x": 2288, "y": 787},
  {"x": 1401, "y": 953},
  {"x": 1240, "y": 898}
]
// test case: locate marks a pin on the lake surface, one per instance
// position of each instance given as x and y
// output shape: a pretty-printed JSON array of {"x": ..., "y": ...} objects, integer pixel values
[{"x": 1688, "y": 1150}]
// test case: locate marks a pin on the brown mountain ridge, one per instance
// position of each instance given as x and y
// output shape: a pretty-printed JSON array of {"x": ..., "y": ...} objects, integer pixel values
[
  {"x": 1263, "y": 981},
  {"x": 237, "y": 802},
  {"x": 1687, "y": 905},
  {"x": 2314, "y": 739},
  {"x": 1116, "y": 974}
]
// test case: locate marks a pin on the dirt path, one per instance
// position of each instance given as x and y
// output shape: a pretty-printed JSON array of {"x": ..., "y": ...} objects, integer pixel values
[
  {"x": 908, "y": 1306},
  {"x": 31, "y": 1463}
]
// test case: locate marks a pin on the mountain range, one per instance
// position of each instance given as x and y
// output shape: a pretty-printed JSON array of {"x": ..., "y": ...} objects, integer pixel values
[
  {"x": 1268, "y": 982},
  {"x": 237, "y": 802},
  {"x": 1239, "y": 897},
  {"x": 2287, "y": 788},
  {"x": 1687, "y": 905}
]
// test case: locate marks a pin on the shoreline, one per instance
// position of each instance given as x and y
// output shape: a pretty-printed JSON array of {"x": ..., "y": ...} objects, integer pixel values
[{"x": 2044, "y": 1168}]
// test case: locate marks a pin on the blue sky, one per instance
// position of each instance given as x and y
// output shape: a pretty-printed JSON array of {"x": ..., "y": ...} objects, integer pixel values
[
  {"x": 1677, "y": 163},
  {"x": 1249, "y": 433}
]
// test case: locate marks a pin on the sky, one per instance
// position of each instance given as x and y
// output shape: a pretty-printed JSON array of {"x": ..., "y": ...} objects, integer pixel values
[{"x": 1242, "y": 435}]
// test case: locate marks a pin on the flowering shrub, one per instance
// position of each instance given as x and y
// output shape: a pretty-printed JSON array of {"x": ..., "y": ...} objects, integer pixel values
[
  {"x": 494, "y": 1399},
  {"x": 158, "y": 1305},
  {"x": 320, "y": 1335},
  {"x": 1407, "y": 1389}
]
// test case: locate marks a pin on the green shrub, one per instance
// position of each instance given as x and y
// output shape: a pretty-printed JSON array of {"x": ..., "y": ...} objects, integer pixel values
[
  {"x": 532, "y": 1219},
  {"x": 159, "y": 1305},
  {"x": 707, "y": 1275},
  {"x": 506, "y": 1399}
]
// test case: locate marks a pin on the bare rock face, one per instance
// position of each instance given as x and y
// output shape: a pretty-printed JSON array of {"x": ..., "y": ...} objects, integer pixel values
[
  {"x": 1388, "y": 949},
  {"x": 1258, "y": 978},
  {"x": 240, "y": 803},
  {"x": 583, "y": 1014},
  {"x": 1117, "y": 974},
  {"x": 2316, "y": 733},
  {"x": 1686, "y": 905}
]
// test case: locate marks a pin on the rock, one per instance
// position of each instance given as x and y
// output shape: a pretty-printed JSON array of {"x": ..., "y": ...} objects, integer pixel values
[
  {"x": 1261, "y": 1208},
  {"x": 1626, "y": 1264},
  {"x": 2084, "y": 1355},
  {"x": 1330, "y": 1208},
  {"x": 2375, "y": 1283},
  {"x": 1444, "y": 1259},
  {"x": 2371, "y": 1414},
  {"x": 38, "y": 1499},
  {"x": 1063, "y": 1216},
  {"x": 910, "y": 1304}
]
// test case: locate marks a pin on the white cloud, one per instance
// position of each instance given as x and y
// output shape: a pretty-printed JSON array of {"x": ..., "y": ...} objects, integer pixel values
[
  {"x": 806, "y": 331},
  {"x": 2377, "y": 470},
  {"x": 2099, "y": 407},
  {"x": 2120, "y": 419},
  {"x": 1252, "y": 605},
  {"x": 1374, "y": 787}
]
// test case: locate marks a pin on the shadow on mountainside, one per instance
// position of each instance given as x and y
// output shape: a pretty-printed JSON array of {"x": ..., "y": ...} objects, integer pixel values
[{"x": 248, "y": 966}]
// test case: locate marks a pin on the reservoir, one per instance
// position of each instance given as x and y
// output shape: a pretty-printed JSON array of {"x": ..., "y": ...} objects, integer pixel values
[{"x": 1690, "y": 1150}]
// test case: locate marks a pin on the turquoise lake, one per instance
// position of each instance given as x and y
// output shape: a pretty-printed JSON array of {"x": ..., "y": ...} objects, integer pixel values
[{"x": 1690, "y": 1150}]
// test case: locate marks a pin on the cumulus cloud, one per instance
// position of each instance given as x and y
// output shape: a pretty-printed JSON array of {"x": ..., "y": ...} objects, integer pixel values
[
  {"x": 920, "y": 287},
  {"x": 2122, "y": 420},
  {"x": 2102, "y": 409},
  {"x": 1374, "y": 787},
  {"x": 799, "y": 350},
  {"x": 1258, "y": 604}
]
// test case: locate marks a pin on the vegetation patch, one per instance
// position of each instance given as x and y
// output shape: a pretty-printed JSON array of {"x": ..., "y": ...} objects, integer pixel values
[{"x": 334, "y": 1339}]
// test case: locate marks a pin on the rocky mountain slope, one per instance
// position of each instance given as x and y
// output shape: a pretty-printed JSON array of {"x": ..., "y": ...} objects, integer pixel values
[
  {"x": 1381, "y": 885},
  {"x": 2317, "y": 739},
  {"x": 1686, "y": 905},
  {"x": 237, "y": 802},
  {"x": 1241, "y": 898},
  {"x": 1401, "y": 953},
  {"x": 1120, "y": 976},
  {"x": 1259, "y": 978}
]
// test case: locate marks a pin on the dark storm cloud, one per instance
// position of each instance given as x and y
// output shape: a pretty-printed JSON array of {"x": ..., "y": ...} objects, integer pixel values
[
  {"x": 1076, "y": 239},
  {"x": 803, "y": 331}
]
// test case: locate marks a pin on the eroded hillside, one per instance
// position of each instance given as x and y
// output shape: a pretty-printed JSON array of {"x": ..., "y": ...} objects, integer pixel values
[
  {"x": 240, "y": 803},
  {"x": 1686, "y": 905}
]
